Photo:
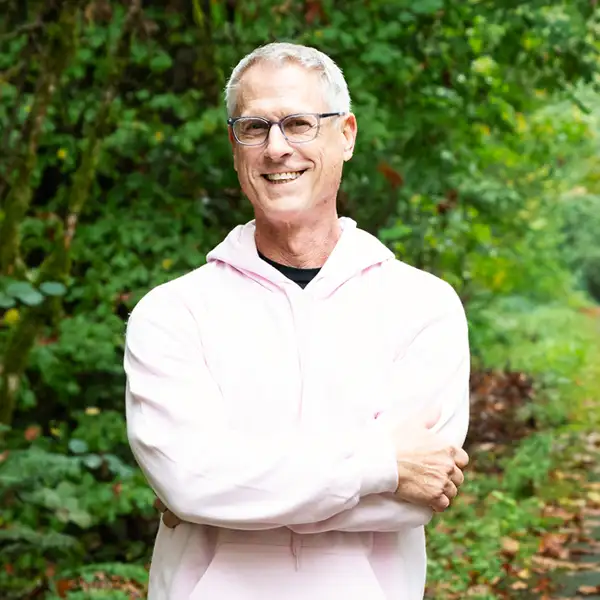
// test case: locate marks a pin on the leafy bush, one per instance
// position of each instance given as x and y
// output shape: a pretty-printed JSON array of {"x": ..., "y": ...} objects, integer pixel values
[{"x": 591, "y": 273}]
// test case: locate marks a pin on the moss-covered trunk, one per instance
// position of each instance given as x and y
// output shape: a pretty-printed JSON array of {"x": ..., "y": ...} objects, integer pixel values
[
  {"x": 56, "y": 266},
  {"x": 58, "y": 54}
]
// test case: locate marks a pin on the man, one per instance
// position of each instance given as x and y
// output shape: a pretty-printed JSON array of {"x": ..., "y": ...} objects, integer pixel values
[{"x": 299, "y": 403}]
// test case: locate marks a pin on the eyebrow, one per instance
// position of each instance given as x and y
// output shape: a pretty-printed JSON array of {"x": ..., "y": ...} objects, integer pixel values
[{"x": 281, "y": 115}]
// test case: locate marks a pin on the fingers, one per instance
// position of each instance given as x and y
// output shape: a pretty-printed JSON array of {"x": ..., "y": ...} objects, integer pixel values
[
  {"x": 170, "y": 520},
  {"x": 441, "y": 503},
  {"x": 461, "y": 458},
  {"x": 450, "y": 490},
  {"x": 457, "y": 477}
]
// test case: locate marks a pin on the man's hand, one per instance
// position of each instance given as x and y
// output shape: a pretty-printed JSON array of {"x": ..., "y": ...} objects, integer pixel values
[
  {"x": 168, "y": 518},
  {"x": 429, "y": 468}
]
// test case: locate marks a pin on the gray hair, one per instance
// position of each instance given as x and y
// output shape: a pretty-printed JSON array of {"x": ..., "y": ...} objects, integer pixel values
[{"x": 335, "y": 87}]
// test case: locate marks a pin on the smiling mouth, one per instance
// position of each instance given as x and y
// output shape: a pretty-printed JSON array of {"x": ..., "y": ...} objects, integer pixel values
[{"x": 286, "y": 177}]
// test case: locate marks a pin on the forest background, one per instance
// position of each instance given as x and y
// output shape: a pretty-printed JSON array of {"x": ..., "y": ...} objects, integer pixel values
[{"x": 477, "y": 160}]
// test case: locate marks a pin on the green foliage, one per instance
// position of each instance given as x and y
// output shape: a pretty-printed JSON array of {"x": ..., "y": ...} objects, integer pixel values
[
  {"x": 591, "y": 273},
  {"x": 58, "y": 494},
  {"x": 507, "y": 497},
  {"x": 14, "y": 292},
  {"x": 476, "y": 160}
]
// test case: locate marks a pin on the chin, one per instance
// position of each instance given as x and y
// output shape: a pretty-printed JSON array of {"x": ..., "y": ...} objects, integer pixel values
[{"x": 286, "y": 210}]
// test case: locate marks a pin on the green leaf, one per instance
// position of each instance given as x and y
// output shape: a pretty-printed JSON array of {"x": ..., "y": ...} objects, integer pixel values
[
  {"x": 424, "y": 7},
  {"x": 6, "y": 301},
  {"x": 33, "y": 298},
  {"x": 25, "y": 292},
  {"x": 161, "y": 62},
  {"x": 92, "y": 461},
  {"x": 53, "y": 288},
  {"x": 118, "y": 467},
  {"x": 78, "y": 446},
  {"x": 16, "y": 288},
  {"x": 80, "y": 517},
  {"x": 396, "y": 232}
]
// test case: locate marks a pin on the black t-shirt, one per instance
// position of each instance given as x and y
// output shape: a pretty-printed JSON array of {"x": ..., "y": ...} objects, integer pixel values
[{"x": 300, "y": 276}]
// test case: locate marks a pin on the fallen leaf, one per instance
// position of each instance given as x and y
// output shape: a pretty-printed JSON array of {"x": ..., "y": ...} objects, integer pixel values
[
  {"x": 588, "y": 590},
  {"x": 63, "y": 586},
  {"x": 594, "y": 498},
  {"x": 543, "y": 585},
  {"x": 479, "y": 590},
  {"x": 556, "y": 512},
  {"x": 552, "y": 545},
  {"x": 545, "y": 563},
  {"x": 519, "y": 585},
  {"x": 509, "y": 546}
]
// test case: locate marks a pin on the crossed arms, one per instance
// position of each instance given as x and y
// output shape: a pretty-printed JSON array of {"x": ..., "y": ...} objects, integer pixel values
[{"x": 386, "y": 476}]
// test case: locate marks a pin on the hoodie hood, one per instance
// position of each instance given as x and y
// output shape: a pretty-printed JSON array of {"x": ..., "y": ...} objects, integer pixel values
[{"x": 355, "y": 252}]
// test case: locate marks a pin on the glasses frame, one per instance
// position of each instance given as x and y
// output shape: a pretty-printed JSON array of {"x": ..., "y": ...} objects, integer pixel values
[{"x": 231, "y": 121}]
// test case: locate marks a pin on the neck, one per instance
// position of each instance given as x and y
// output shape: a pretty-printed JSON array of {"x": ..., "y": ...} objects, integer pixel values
[{"x": 304, "y": 245}]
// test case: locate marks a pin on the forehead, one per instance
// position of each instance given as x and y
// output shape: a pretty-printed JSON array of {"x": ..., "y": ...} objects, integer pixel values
[{"x": 277, "y": 90}]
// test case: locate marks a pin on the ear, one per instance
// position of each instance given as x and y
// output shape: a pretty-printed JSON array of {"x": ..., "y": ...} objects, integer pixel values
[
  {"x": 349, "y": 131},
  {"x": 233, "y": 147}
]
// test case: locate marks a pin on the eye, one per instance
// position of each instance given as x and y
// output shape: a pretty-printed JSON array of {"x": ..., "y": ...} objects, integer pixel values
[
  {"x": 299, "y": 124},
  {"x": 252, "y": 126}
]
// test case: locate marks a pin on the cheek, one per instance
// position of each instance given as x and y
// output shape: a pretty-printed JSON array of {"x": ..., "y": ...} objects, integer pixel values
[
  {"x": 242, "y": 164},
  {"x": 329, "y": 164}
]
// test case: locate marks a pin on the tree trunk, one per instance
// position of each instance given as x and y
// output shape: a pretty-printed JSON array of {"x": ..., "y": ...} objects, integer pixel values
[
  {"x": 57, "y": 57},
  {"x": 56, "y": 266}
]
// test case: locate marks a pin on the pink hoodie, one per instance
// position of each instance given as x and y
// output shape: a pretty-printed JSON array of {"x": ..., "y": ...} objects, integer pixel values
[{"x": 259, "y": 413}]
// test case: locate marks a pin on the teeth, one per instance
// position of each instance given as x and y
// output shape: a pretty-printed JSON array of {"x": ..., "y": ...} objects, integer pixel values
[{"x": 283, "y": 176}]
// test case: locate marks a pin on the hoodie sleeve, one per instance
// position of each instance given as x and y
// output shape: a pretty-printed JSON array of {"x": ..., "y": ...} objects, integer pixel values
[
  {"x": 207, "y": 473},
  {"x": 431, "y": 378}
]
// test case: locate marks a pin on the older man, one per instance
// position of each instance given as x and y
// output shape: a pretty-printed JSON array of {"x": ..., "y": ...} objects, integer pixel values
[{"x": 299, "y": 403}]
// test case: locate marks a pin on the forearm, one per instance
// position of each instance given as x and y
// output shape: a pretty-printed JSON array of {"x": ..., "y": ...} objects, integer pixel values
[
  {"x": 228, "y": 480},
  {"x": 207, "y": 472},
  {"x": 378, "y": 512},
  {"x": 430, "y": 379}
]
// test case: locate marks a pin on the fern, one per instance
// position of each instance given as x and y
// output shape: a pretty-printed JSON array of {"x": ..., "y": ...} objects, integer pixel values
[{"x": 19, "y": 538}]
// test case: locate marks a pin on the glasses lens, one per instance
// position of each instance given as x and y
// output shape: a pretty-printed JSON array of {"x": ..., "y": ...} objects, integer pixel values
[
  {"x": 300, "y": 128},
  {"x": 251, "y": 130}
]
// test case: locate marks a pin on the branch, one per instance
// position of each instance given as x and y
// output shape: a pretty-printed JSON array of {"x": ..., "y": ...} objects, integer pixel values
[
  {"x": 13, "y": 119},
  {"x": 25, "y": 28},
  {"x": 58, "y": 56}
]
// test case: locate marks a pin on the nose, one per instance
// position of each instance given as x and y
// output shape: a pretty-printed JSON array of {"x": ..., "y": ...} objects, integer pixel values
[{"x": 277, "y": 146}]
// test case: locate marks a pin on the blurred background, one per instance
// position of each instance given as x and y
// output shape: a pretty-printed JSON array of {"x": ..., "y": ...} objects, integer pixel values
[{"x": 477, "y": 160}]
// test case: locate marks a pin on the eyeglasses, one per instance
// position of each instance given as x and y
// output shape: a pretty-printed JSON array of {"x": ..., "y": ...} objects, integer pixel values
[{"x": 296, "y": 129}]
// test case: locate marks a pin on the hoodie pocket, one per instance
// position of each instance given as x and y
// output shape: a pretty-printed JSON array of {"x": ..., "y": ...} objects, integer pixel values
[{"x": 259, "y": 572}]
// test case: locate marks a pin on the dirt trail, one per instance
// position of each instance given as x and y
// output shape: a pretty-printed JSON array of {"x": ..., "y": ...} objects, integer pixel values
[{"x": 583, "y": 582}]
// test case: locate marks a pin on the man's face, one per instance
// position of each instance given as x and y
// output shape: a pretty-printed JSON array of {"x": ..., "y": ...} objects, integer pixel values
[{"x": 273, "y": 92}]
